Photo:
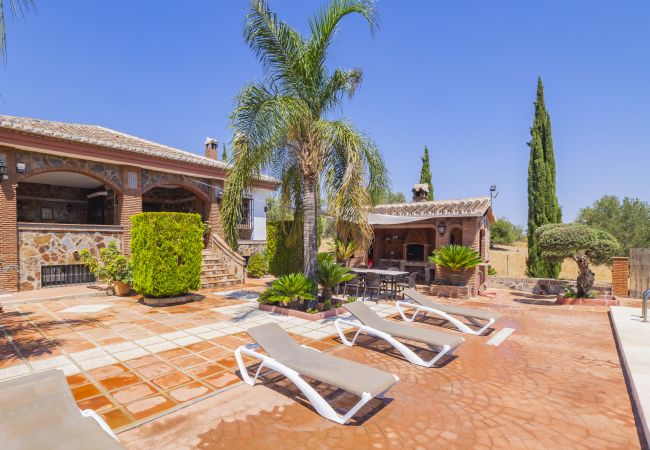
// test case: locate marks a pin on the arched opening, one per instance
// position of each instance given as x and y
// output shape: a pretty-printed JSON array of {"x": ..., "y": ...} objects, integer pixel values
[
  {"x": 63, "y": 197},
  {"x": 456, "y": 236},
  {"x": 173, "y": 199}
]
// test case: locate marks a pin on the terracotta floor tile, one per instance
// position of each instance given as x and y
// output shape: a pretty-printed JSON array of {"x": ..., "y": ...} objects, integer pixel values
[
  {"x": 154, "y": 370},
  {"x": 171, "y": 380},
  {"x": 222, "y": 380},
  {"x": 228, "y": 362},
  {"x": 216, "y": 353},
  {"x": 76, "y": 380},
  {"x": 141, "y": 361},
  {"x": 149, "y": 406},
  {"x": 80, "y": 347},
  {"x": 132, "y": 393},
  {"x": 107, "y": 371},
  {"x": 113, "y": 340},
  {"x": 189, "y": 361},
  {"x": 200, "y": 346},
  {"x": 120, "y": 381},
  {"x": 97, "y": 404},
  {"x": 205, "y": 370},
  {"x": 188, "y": 391},
  {"x": 116, "y": 419},
  {"x": 173, "y": 353},
  {"x": 84, "y": 391}
]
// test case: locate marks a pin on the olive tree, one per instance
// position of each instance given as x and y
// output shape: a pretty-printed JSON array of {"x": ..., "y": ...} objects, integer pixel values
[{"x": 582, "y": 243}]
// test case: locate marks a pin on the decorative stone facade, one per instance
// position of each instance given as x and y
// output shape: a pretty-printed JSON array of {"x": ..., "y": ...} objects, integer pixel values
[
  {"x": 543, "y": 286},
  {"x": 41, "y": 245},
  {"x": 151, "y": 179},
  {"x": 249, "y": 248},
  {"x": 36, "y": 163}
]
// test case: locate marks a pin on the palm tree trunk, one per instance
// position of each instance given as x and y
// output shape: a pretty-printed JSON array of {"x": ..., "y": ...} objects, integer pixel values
[{"x": 310, "y": 230}]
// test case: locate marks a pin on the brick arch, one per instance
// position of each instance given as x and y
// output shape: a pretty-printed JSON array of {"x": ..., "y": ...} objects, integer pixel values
[
  {"x": 202, "y": 196},
  {"x": 110, "y": 183}
]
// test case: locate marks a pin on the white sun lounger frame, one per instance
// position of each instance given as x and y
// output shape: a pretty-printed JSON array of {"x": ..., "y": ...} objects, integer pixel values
[{"x": 403, "y": 306}]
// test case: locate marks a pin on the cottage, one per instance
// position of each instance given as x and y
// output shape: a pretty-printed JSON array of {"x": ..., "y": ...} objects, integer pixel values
[
  {"x": 407, "y": 233},
  {"x": 65, "y": 187}
]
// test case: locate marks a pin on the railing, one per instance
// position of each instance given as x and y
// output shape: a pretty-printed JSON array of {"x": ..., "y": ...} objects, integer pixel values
[
  {"x": 228, "y": 256},
  {"x": 644, "y": 308},
  {"x": 246, "y": 214}
]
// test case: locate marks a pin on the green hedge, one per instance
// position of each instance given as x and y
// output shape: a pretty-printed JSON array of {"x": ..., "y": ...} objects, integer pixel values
[
  {"x": 284, "y": 247},
  {"x": 257, "y": 266},
  {"x": 166, "y": 249}
]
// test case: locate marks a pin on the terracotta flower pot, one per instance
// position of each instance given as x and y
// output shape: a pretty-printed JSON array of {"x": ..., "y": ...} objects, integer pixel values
[{"x": 121, "y": 289}]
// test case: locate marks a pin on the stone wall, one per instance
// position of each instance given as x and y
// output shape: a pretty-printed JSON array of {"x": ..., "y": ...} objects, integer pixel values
[
  {"x": 40, "y": 245},
  {"x": 543, "y": 286},
  {"x": 249, "y": 248}
]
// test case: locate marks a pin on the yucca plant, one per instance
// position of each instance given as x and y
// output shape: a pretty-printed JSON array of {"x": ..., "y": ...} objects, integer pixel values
[
  {"x": 457, "y": 258},
  {"x": 289, "y": 288},
  {"x": 343, "y": 251},
  {"x": 331, "y": 274}
]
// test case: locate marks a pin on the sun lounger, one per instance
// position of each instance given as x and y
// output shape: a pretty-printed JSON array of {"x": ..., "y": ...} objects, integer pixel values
[
  {"x": 424, "y": 304},
  {"x": 39, "y": 412},
  {"x": 294, "y": 361},
  {"x": 388, "y": 330}
]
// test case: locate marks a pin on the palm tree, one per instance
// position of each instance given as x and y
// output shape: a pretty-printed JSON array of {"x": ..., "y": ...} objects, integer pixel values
[
  {"x": 17, "y": 7},
  {"x": 285, "y": 124}
]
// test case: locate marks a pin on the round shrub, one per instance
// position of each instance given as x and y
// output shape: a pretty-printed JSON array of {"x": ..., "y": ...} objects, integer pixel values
[
  {"x": 166, "y": 249},
  {"x": 257, "y": 266}
]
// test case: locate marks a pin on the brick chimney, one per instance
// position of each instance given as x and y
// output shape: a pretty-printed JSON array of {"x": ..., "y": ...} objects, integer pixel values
[
  {"x": 420, "y": 192},
  {"x": 211, "y": 148}
]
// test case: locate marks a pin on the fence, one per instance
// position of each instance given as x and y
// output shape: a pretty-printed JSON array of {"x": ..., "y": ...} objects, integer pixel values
[{"x": 639, "y": 271}]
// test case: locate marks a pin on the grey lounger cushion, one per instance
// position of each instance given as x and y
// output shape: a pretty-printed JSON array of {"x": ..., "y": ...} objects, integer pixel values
[
  {"x": 483, "y": 314},
  {"x": 348, "y": 375},
  {"x": 406, "y": 331},
  {"x": 38, "y": 412}
]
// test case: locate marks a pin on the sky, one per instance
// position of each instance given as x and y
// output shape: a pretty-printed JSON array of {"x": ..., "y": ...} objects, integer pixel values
[{"x": 458, "y": 76}]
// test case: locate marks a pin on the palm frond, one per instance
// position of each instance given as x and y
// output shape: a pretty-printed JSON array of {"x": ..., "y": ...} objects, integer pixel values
[{"x": 18, "y": 8}]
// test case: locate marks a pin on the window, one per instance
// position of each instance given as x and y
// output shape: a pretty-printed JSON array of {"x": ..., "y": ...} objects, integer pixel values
[
  {"x": 46, "y": 213},
  {"x": 246, "y": 214}
]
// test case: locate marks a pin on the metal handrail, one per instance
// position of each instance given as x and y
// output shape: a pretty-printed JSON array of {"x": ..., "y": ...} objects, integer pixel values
[{"x": 644, "y": 308}]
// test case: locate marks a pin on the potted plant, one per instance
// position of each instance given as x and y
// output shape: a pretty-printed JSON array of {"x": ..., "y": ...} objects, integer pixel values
[
  {"x": 456, "y": 258},
  {"x": 112, "y": 267},
  {"x": 331, "y": 274}
]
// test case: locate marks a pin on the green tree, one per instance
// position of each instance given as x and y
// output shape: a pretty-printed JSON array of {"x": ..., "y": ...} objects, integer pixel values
[
  {"x": 425, "y": 172},
  {"x": 286, "y": 124},
  {"x": 387, "y": 197},
  {"x": 628, "y": 220},
  {"x": 224, "y": 154},
  {"x": 17, "y": 7},
  {"x": 584, "y": 244},
  {"x": 543, "y": 207},
  {"x": 505, "y": 232}
]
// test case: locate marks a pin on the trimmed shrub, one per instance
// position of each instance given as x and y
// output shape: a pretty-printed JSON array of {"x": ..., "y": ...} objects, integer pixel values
[
  {"x": 257, "y": 266},
  {"x": 284, "y": 247},
  {"x": 166, "y": 249}
]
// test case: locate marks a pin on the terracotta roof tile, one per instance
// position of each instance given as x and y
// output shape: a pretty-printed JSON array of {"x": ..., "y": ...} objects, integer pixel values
[
  {"x": 437, "y": 208},
  {"x": 105, "y": 137}
]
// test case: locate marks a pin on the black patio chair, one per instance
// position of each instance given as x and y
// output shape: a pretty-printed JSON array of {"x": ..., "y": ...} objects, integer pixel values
[{"x": 374, "y": 283}]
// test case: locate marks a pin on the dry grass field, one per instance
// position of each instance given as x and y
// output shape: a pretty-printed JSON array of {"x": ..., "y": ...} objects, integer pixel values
[{"x": 510, "y": 260}]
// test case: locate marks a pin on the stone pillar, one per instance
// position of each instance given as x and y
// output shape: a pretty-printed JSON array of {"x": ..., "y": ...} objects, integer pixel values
[
  {"x": 620, "y": 276},
  {"x": 8, "y": 224},
  {"x": 130, "y": 202}
]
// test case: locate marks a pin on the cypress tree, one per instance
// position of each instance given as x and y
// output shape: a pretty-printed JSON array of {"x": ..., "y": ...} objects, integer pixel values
[
  {"x": 425, "y": 172},
  {"x": 543, "y": 206},
  {"x": 224, "y": 155}
]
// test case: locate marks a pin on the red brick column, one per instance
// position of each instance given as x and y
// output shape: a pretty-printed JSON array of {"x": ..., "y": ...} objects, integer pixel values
[
  {"x": 130, "y": 202},
  {"x": 8, "y": 224},
  {"x": 213, "y": 208},
  {"x": 620, "y": 276}
]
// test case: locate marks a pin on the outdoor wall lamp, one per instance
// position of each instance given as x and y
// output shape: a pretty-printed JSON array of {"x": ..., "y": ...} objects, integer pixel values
[{"x": 442, "y": 227}]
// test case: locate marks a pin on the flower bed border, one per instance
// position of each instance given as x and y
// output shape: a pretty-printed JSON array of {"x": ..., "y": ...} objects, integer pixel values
[
  {"x": 449, "y": 291},
  {"x": 603, "y": 300},
  {"x": 301, "y": 314},
  {"x": 170, "y": 301}
]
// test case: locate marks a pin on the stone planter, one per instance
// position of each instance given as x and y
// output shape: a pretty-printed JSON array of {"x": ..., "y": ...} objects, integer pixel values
[
  {"x": 121, "y": 289},
  {"x": 442, "y": 290},
  {"x": 301, "y": 314},
  {"x": 169, "y": 301},
  {"x": 603, "y": 300}
]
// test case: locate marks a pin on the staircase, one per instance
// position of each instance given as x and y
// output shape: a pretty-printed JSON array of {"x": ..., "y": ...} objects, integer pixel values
[{"x": 221, "y": 265}]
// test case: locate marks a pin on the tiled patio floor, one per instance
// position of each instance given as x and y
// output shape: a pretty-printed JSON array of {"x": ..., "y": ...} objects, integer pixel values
[
  {"x": 555, "y": 383},
  {"x": 131, "y": 362}
]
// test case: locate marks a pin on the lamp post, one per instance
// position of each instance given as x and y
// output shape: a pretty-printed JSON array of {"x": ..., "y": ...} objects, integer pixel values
[{"x": 493, "y": 192}]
